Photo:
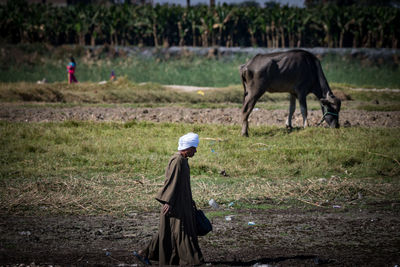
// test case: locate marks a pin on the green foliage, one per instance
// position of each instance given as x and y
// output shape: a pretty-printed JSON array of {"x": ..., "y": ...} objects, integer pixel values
[
  {"x": 74, "y": 167},
  {"x": 31, "y": 63},
  {"x": 226, "y": 25},
  {"x": 363, "y": 73}
]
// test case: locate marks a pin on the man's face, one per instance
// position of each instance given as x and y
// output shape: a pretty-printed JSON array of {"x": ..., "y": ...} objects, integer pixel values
[{"x": 191, "y": 151}]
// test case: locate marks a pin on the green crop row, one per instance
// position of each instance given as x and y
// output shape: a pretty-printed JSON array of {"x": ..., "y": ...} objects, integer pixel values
[{"x": 226, "y": 25}]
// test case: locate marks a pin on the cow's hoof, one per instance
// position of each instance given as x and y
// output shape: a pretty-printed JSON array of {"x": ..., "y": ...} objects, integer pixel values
[
  {"x": 289, "y": 128},
  {"x": 245, "y": 134}
]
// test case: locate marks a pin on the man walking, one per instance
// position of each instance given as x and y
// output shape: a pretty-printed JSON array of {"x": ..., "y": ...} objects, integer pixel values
[{"x": 176, "y": 242}]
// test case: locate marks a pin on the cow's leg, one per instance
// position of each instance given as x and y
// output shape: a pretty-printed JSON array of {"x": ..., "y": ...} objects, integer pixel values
[
  {"x": 292, "y": 108},
  {"x": 248, "y": 105},
  {"x": 303, "y": 109}
]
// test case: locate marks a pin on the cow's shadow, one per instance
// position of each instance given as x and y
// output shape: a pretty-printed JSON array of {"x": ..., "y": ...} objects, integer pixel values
[{"x": 262, "y": 261}]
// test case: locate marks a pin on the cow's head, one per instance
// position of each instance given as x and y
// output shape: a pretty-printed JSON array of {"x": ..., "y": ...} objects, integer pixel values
[{"x": 331, "y": 107}]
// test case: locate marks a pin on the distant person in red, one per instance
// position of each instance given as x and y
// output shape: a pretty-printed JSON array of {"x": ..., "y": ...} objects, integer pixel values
[
  {"x": 71, "y": 71},
  {"x": 113, "y": 77}
]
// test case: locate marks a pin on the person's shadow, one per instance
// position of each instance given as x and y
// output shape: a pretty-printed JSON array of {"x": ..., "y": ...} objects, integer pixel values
[{"x": 259, "y": 262}]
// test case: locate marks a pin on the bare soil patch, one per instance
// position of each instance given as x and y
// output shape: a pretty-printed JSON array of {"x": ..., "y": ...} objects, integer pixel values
[
  {"x": 226, "y": 116},
  {"x": 334, "y": 237}
]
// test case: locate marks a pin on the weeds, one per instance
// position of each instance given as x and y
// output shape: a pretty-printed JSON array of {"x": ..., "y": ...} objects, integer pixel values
[
  {"x": 155, "y": 95},
  {"x": 29, "y": 65},
  {"x": 115, "y": 168}
]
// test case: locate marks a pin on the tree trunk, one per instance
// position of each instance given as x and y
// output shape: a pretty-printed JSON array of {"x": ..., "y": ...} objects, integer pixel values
[
  {"x": 341, "y": 40},
  {"x": 165, "y": 42},
  {"x": 394, "y": 42},
  {"x": 263, "y": 41},
  {"x": 194, "y": 33},
  {"x": 291, "y": 40},
  {"x": 155, "y": 33},
  {"x": 252, "y": 39},
  {"x": 268, "y": 36},
  {"x": 187, "y": 3},
  {"x": 299, "y": 38},
  {"x": 116, "y": 39},
  {"x": 81, "y": 39},
  {"x": 329, "y": 40},
  {"x": 204, "y": 38},
  {"x": 181, "y": 34},
  {"x": 229, "y": 41},
  {"x": 92, "y": 40},
  {"x": 381, "y": 39},
  {"x": 213, "y": 39},
  {"x": 369, "y": 37},
  {"x": 219, "y": 39},
  {"x": 276, "y": 45},
  {"x": 204, "y": 34},
  {"x": 282, "y": 37}
]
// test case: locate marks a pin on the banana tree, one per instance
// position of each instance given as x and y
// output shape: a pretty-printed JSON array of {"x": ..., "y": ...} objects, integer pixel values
[
  {"x": 16, "y": 20},
  {"x": 283, "y": 24},
  {"x": 97, "y": 21},
  {"x": 207, "y": 20},
  {"x": 223, "y": 15},
  {"x": 393, "y": 29},
  {"x": 328, "y": 21},
  {"x": 264, "y": 20},
  {"x": 183, "y": 24},
  {"x": 194, "y": 22},
  {"x": 250, "y": 19},
  {"x": 82, "y": 18},
  {"x": 344, "y": 21},
  {"x": 124, "y": 24},
  {"x": 385, "y": 17},
  {"x": 369, "y": 27},
  {"x": 304, "y": 20},
  {"x": 355, "y": 26},
  {"x": 231, "y": 26},
  {"x": 166, "y": 26},
  {"x": 144, "y": 24},
  {"x": 273, "y": 28},
  {"x": 293, "y": 25}
]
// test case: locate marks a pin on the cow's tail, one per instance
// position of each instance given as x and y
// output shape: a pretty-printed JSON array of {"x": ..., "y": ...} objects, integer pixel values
[
  {"x": 243, "y": 70},
  {"x": 326, "y": 90}
]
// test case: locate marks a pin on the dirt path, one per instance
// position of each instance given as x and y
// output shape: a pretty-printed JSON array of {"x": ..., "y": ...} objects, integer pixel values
[
  {"x": 227, "y": 116},
  {"x": 332, "y": 237},
  {"x": 187, "y": 88}
]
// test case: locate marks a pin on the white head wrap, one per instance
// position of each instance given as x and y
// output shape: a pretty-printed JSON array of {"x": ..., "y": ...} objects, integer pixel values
[{"x": 188, "y": 140}]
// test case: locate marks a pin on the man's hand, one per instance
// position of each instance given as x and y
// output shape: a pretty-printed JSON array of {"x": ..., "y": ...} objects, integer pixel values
[{"x": 166, "y": 208}]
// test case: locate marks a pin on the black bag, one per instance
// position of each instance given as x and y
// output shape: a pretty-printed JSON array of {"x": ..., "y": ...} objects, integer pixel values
[{"x": 203, "y": 224}]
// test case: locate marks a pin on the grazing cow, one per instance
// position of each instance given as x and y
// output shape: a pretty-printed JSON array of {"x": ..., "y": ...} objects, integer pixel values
[{"x": 297, "y": 72}]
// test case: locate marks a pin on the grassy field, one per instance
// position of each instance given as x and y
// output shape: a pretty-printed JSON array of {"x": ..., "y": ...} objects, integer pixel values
[
  {"x": 33, "y": 63},
  {"x": 116, "y": 168}
]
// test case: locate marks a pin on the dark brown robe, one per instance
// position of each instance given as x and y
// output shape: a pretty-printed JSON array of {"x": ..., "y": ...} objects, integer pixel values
[{"x": 176, "y": 242}]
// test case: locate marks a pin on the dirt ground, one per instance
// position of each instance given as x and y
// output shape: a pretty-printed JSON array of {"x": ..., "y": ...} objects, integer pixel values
[
  {"x": 332, "y": 237},
  {"x": 296, "y": 237},
  {"x": 227, "y": 116}
]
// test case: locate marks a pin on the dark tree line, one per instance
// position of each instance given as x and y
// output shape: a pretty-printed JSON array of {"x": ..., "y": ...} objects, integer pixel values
[{"x": 328, "y": 25}]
